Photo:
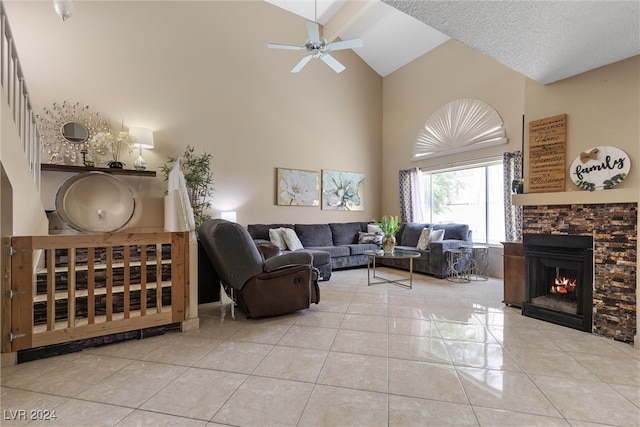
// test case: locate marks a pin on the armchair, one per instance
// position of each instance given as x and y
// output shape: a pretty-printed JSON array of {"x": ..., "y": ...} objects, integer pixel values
[{"x": 278, "y": 285}]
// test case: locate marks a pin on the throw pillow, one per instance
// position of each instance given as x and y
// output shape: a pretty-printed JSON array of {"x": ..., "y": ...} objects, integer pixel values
[
  {"x": 375, "y": 238},
  {"x": 436, "y": 236},
  {"x": 291, "y": 238},
  {"x": 423, "y": 241},
  {"x": 411, "y": 234},
  {"x": 276, "y": 237},
  {"x": 372, "y": 228}
]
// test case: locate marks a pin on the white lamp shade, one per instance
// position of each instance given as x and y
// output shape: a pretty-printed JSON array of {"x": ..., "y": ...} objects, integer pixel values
[
  {"x": 229, "y": 216},
  {"x": 142, "y": 137}
]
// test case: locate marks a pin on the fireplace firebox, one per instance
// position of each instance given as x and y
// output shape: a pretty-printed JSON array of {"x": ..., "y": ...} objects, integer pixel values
[{"x": 559, "y": 279}]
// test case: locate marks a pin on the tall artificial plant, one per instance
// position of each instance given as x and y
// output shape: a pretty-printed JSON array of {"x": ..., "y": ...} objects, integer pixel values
[{"x": 198, "y": 177}]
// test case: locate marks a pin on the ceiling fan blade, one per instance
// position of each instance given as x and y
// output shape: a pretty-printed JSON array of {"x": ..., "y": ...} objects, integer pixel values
[
  {"x": 333, "y": 63},
  {"x": 346, "y": 44},
  {"x": 285, "y": 46},
  {"x": 301, "y": 64},
  {"x": 314, "y": 31}
]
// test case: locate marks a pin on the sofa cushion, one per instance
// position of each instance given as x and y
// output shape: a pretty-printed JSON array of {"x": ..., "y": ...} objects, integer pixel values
[
  {"x": 360, "y": 248},
  {"x": 453, "y": 231},
  {"x": 314, "y": 234},
  {"x": 345, "y": 233},
  {"x": 261, "y": 231},
  {"x": 411, "y": 234},
  {"x": 334, "y": 251}
]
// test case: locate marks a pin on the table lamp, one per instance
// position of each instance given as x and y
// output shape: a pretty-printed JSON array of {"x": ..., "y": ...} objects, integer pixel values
[{"x": 142, "y": 138}]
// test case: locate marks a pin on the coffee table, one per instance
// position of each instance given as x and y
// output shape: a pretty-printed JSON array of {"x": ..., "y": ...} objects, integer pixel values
[{"x": 372, "y": 256}]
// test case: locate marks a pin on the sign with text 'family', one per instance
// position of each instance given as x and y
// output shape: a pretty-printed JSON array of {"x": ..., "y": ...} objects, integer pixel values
[
  {"x": 600, "y": 168},
  {"x": 547, "y": 154}
]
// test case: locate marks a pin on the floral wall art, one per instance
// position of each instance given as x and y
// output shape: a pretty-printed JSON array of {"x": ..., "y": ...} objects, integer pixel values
[
  {"x": 342, "y": 191},
  {"x": 297, "y": 187}
]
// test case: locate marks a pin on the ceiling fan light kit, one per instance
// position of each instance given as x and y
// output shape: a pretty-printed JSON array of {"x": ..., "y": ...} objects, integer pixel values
[{"x": 318, "y": 47}]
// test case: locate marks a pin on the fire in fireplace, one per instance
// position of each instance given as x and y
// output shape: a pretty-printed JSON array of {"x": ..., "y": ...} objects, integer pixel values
[{"x": 559, "y": 279}]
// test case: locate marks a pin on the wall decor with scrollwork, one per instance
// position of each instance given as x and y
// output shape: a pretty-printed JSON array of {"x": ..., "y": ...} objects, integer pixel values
[{"x": 66, "y": 130}]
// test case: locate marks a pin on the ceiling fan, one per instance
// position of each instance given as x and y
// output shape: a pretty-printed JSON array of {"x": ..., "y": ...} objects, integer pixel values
[{"x": 318, "y": 47}]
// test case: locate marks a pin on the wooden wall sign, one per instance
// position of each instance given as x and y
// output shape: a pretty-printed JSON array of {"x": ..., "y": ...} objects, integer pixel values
[{"x": 547, "y": 154}]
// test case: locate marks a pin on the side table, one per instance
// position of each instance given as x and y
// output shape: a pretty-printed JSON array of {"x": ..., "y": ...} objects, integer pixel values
[
  {"x": 479, "y": 268},
  {"x": 459, "y": 264}
]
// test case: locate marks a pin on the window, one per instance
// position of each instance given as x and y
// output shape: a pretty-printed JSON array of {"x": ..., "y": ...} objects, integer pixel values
[{"x": 470, "y": 195}]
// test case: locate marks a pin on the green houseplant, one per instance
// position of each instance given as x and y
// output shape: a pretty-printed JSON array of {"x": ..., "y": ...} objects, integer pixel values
[
  {"x": 199, "y": 180},
  {"x": 389, "y": 226}
]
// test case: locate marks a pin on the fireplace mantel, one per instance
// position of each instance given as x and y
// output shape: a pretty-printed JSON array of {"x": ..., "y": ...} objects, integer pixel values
[{"x": 578, "y": 197}]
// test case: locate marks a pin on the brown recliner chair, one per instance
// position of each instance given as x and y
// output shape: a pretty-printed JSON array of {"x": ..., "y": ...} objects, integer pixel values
[{"x": 278, "y": 285}]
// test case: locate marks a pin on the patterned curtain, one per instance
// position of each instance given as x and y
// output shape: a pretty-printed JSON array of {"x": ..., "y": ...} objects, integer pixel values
[
  {"x": 406, "y": 202},
  {"x": 411, "y": 193},
  {"x": 512, "y": 167}
]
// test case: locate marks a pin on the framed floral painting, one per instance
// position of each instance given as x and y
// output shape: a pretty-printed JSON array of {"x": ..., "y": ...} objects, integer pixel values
[
  {"x": 297, "y": 187},
  {"x": 342, "y": 191}
]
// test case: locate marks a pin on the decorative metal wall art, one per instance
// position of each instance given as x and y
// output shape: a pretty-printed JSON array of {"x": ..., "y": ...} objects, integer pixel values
[{"x": 66, "y": 130}]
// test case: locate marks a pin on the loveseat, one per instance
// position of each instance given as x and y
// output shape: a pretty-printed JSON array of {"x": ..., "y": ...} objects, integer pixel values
[
  {"x": 346, "y": 243},
  {"x": 433, "y": 259}
]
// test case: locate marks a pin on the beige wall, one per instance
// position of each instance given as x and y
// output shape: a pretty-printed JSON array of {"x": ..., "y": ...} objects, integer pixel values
[
  {"x": 602, "y": 107},
  {"x": 449, "y": 72},
  {"x": 222, "y": 92}
]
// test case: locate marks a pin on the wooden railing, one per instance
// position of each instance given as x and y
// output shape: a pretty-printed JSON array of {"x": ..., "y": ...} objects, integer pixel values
[
  {"x": 71, "y": 287},
  {"x": 16, "y": 96}
]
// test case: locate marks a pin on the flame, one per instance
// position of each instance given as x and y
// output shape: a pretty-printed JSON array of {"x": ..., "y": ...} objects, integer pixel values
[{"x": 563, "y": 285}]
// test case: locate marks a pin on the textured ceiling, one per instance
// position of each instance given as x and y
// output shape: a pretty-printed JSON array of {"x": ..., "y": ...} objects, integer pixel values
[{"x": 545, "y": 40}]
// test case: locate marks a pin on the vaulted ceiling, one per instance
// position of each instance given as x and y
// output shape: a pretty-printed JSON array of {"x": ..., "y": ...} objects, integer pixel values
[{"x": 545, "y": 40}]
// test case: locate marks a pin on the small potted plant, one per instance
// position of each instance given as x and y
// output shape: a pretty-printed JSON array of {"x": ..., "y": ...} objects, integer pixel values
[{"x": 389, "y": 226}]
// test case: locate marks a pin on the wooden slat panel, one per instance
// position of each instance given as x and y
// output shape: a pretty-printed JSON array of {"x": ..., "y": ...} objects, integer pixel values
[
  {"x": 22, "y": 281},
  {"x": 159, "y": 278},
  {"x": 71, "y": 287},
  {"x": 51, "y": 289},
  {"x": 93, "y": 325},
  {"x": 179, "y": 275},
  {"x": 127, "y": 281},
  {"x": 109, "y": 300},
  {"x": 97, "y": 240},
  {"x": 6, "y": 285},
  {"x": 143, "y": 280},
  {"x": 100, "y": 329},
  {"x": 91, "y": 285}
]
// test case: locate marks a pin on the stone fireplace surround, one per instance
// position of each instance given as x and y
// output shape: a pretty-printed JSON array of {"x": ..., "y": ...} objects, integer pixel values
[{"x": 614, "y": 230}]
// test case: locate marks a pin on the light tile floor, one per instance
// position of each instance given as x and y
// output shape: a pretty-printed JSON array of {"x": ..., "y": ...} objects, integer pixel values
[{"x": 442, "y": 353}]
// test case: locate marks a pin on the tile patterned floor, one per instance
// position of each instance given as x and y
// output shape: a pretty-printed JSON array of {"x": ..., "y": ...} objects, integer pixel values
[{"x": 440, "y": 354}]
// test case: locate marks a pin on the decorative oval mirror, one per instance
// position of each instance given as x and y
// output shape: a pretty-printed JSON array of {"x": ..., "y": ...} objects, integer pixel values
[
  {"x": 95, "y": 202},
  {"x": 74, "y": 132}
]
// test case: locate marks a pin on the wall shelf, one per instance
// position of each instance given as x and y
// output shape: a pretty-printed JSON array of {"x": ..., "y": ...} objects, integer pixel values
[
  {"x": 626, "y": 195},
  {"x": 80, "y": 169}
]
